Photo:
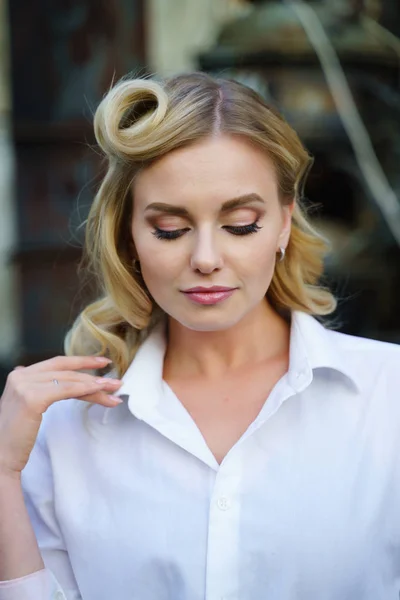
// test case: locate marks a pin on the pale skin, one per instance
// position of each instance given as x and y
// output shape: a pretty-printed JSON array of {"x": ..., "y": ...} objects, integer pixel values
[{"x": 222, "y": 359}]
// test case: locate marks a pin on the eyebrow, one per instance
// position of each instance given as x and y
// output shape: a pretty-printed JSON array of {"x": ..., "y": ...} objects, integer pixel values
[{"x": 227, "y": 206}]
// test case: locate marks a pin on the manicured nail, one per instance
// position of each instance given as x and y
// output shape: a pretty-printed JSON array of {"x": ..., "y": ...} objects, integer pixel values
[
  {"x": 116, "y": 399},
  {"x": 107, "y": 380},
  {"x": 103, "y": 359}
]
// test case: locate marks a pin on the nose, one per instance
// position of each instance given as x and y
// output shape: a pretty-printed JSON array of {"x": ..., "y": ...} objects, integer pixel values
[{"x": 206, "y": 256}]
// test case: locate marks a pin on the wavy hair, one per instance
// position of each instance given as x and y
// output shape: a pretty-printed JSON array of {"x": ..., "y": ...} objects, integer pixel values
[{"x": 141, "y": 120}]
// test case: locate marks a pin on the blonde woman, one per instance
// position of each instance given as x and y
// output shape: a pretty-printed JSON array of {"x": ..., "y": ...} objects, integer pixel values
[{"x": 237, "y": 449}]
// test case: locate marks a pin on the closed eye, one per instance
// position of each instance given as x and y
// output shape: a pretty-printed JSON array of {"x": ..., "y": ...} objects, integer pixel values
[
  {"x": 164, "y": 234},
  {"x": 243, "y": 229}
]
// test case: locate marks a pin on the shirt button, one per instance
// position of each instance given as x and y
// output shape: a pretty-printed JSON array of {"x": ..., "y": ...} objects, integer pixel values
[
  {"x": 223, "y": 503},
  {"x": 58, "y": 596}
]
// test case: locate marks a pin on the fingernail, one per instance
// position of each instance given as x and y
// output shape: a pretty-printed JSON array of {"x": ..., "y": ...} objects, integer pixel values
[
  {"x": 103, "y": 359},
  {"x": 116, "y": 399},
  {"x": 106, "y": 380}
]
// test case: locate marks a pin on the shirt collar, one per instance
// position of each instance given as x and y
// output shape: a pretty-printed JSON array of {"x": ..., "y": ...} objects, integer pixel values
[
  {"x": 312, "y": 347},
  {"x": 143, "y": 381}
]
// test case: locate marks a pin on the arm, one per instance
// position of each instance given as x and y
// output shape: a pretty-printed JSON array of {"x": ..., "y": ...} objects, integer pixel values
[
  {"x": 19, "y": 551},
  {"x": 27, "y": 510},
  {"x": 34, "y": 564}
]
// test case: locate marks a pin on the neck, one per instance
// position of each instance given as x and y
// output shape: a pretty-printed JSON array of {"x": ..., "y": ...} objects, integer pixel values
[{"x": 260, "y": 336}]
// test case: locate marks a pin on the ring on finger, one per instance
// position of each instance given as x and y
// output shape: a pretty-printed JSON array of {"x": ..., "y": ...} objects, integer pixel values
[{"x": 56, "y": 382}]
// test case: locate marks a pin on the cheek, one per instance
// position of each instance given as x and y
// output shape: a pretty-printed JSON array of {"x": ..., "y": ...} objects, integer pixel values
[
  {"x": 259, "y": 254},
  {"x": 160, "y": 262},
  {"x": 151, "y": 252}
]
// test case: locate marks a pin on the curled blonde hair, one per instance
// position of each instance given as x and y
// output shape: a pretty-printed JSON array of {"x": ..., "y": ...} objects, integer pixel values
[{"x": 141, "y": 120}]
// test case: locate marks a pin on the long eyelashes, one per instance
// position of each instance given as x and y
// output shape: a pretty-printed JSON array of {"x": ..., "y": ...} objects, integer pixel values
[
  {"x": 244, "y": 229},
  {"x": 162, "y": 234}
]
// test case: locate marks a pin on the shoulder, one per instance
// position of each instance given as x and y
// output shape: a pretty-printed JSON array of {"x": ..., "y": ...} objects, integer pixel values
[
  {"x": 368, "y": 348},
  {"x": 63, "y": 411},
  {"x": 348, "y": 353},
  {"x": 68, "y": 420},
  {"x": 368, "y": 359},
  {"x": 57, "y": 432}
]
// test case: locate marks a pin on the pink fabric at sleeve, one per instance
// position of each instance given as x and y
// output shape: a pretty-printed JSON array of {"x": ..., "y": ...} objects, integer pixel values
[{"x": 41, "y": 585}]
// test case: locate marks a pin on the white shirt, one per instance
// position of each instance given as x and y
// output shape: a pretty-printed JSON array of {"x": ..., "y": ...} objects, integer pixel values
[{"x": 305, "y": 506}]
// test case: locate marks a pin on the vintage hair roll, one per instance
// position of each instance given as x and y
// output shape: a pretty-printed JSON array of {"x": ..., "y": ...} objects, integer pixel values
[{"x": 140, "y": 120}]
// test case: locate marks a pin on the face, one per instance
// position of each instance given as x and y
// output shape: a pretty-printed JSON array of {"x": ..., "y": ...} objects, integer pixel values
[{"x": 209, "y": 216}]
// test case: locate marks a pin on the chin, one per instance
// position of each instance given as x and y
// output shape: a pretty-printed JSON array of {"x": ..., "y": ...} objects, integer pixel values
[{"x": 218, "y": 323}]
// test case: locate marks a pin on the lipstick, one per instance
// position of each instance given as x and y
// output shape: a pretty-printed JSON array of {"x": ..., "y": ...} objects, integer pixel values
[{"x": 209, "y": 295}]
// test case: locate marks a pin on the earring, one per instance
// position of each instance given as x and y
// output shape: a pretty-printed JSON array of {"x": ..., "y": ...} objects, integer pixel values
[
  {"x": 136, "y": 266},
  {"x": 283, "y": 252}
]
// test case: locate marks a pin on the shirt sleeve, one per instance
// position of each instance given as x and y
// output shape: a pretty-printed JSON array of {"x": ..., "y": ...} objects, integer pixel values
[
  {"x": 41, "y": 585},
  {"x": 57, "y": 580}
]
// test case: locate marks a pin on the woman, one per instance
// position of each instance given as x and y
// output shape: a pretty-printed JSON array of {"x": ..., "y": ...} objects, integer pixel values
[{"x": 248, "y": 452}]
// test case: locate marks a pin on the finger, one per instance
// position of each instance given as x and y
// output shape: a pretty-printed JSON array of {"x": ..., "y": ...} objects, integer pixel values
[
  {"x": 71, "y": 363},
  {"x": 101, "y": 396},
  {"x": 102, "y": 384},
  {"x": 104, "y": 398},
  {"x": 50, "y": 393},
  {"x": 18, "y": 368},
  {"x": 68, "y": 376}
]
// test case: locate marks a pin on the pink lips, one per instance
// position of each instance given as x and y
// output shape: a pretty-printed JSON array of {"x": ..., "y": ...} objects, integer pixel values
[{"x": 209, "y": 295}]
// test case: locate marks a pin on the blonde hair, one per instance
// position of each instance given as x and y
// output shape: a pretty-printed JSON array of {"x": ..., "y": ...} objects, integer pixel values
[{"x": 141, "y": 120}]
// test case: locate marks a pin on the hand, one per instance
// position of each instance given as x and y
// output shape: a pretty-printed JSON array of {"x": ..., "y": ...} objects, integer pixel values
[{"x": 29, "y": 392}]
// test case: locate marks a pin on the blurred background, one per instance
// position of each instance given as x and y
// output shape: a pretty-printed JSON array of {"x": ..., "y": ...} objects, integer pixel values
[{"x": 332, "y": 67}]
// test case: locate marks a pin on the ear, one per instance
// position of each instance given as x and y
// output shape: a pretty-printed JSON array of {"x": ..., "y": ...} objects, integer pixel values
[{"x": 287, "y": 212}]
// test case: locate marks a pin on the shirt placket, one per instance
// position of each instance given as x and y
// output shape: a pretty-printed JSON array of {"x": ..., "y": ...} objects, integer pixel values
[{"x": 223, "y": 550}]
